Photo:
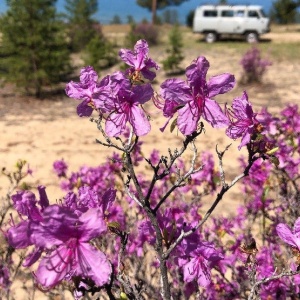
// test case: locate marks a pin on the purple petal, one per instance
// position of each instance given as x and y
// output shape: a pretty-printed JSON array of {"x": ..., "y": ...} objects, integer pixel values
[
  {"x": 214, "y": 115},
  {"x": 142, "y": 93},
  {"x": 115, "y": 124},
  {"x": 33, "y": 257},
  {"x": 297, "y": 228},
  {"x": 245, "y": 140},
  {"x": 196, "y": 72},
  {"x": 44, "y": 201},
  {"x": 127, "y": 56},
  {"x": 75, "y": 90},
  {"x": 188, "y": 118},
  {"x": 190, "y": 270},
  {"x": 107, "y": 199},
  {"x": 93, "y": 224},
  {"x": 88, "y": 75},
  {"x": 284, "y": 232},
  {"x": 148, "y": 74},
  {"x": 54, "y": 267},
  {"x": 176, "y": 93},
  {"x": 19, "y": 236},
  {"x": 84, "y": 110},
  {"x": 93, "y": 263},
  {"x": 141, "y": 49},
  {"x": 220, "y": 84},
  {"x": 59, "y": 225},
  {"x": 139, "y": 121},
  {"x": 242, "y": 108}
]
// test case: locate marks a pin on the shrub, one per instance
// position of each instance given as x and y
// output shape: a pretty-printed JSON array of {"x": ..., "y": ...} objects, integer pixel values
[
  {"x": 254, "y": 66},
  {"x": 100, "y": 53},
  {"x": 144, "y": 31},
  {"x": 171, "y": 63},
  {"x": 119, "y": 233}
]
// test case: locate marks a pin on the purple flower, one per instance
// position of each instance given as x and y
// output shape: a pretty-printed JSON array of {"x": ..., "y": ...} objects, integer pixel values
[
  {"x": 84, "y": 90},
  {"x": 127, "y": 110},
  {"x": 60, "y": 168},
  {"x": 243, "y": 121},
  {"x": 192, "y": 99},
  {"x": 139, "y": 61},
  {"x": 202, "y": 260},
  {"x": 91, "y": 92},
  {"x": 19, "y": 236},
  {"x": 67, "y": 236},
  {"x": 290, "y": 237},
  {"x": 4, "y": 277}
]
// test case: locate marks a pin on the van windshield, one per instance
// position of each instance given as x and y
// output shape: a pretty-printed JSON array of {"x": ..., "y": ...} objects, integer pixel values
[{"x": 262, "y": 13}]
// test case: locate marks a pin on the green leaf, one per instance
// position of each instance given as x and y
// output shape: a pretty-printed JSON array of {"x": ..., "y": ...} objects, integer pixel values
[
  {"x": 274, "y": 160},
  {"x": 173, "y": 125},
  {"x": 272, "y": 151}
]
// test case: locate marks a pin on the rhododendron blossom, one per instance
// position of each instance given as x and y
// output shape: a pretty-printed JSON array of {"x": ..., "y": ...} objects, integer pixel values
[
  {"x": 291, "y": 237},
  {"x": 95, "y": 95},
  {"x": 139, "y": 61},
  {"x": 243, "y": 122},
  {"x": 200, "y": 263},
  {"x": 66, "y": 237},
  {"x": 127, "y": 110},
  {"x": 193, "y": 99}
]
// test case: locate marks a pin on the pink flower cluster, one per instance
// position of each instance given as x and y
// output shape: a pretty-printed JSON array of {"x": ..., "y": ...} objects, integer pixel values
[{"x": 88, "y": 237}]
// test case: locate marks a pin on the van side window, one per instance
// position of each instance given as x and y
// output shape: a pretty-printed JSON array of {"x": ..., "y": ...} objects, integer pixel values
[
  {"x": 253, "y": 14},
  {"x": 227, "y": 13},
  {"x": 240, "y": 13},
  {"x": 210, "y": 13}
]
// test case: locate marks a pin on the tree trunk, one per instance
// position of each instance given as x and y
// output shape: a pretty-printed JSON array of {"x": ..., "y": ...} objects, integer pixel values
[{"x": 154, "y": 5}]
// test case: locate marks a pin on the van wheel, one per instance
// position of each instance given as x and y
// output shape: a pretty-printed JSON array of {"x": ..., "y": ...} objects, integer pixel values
[
  {"x": 210, "y": 37},
  {"x": 251, "y": 37}
]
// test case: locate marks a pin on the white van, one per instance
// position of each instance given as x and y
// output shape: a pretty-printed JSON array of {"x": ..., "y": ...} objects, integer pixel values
[{"x": 216, "y": 20}]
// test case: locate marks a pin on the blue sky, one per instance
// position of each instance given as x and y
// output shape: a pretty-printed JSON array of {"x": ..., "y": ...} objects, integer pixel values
[{"x": 123, "y": 8}]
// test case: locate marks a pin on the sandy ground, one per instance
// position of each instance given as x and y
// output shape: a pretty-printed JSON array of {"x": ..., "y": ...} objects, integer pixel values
[{"x": 42, "y": 131}]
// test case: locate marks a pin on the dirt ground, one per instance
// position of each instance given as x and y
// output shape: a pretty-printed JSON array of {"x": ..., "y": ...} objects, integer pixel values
[{"x": 41, "y": 131}]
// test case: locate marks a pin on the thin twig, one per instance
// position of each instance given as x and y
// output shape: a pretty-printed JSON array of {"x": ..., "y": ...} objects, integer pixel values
[{"x": 268, "y": 279}]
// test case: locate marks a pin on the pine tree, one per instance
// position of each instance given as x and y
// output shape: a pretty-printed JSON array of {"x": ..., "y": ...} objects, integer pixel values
[
  {"x": 153, "y": 5},
  {"x": 100, "y": 53},
  {"x": 174, "y": 58},
  {"x": 34, "y": 51},
  {"x": 284, "y": 11},
  {"x": 81, "y": 27}
]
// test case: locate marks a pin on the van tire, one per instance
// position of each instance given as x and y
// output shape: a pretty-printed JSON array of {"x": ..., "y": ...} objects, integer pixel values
[
  {"x": 251, "y": 37},
  {"x": 210, "y": 37}
]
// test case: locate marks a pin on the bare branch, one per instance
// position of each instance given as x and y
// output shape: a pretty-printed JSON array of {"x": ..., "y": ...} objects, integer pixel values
[{"x": 268, "y": 279}]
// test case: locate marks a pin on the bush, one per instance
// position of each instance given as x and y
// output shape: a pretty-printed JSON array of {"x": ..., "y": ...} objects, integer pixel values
[
  {"x": 119, "y": 233},
  {"x": 100, "y": 53},
  {"x": 171, "y": 63},
  {"x": 144, "y": 31},
  {"x": 254, "y": 66}
]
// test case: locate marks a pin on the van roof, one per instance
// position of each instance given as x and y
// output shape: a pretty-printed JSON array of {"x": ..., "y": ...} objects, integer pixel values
[{"x": 230, "y": 6}]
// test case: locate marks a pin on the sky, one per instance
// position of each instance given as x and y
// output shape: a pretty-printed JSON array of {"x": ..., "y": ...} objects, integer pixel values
[{"x": 107, "y": 9}]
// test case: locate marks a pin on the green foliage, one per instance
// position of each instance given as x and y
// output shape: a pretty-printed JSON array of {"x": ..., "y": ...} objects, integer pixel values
[
  {"x": 116, "y": 20},
  {"x": 190, "y": 18},
  {"x": 170, "y": 16},
  {"x": 284, "y": 11},
  {"x": 100, "y": 54},
  {"x": 81, "y": 27},
  {"x": 34, "y": 51},
  {"x": 160, "y": 3},
  {"x": 130, "y": 19},
  {"x": 154, "y": 5},
  {"x": 171, "y": 63}
]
